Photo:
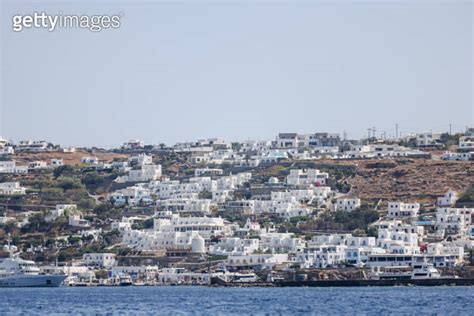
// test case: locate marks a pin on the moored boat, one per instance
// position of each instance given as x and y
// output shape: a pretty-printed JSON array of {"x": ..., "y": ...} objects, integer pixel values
[{"x": 18, "y": 272}]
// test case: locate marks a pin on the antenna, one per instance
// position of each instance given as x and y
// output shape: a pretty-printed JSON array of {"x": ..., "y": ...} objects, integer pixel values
[{"x": 373, "y": 132}]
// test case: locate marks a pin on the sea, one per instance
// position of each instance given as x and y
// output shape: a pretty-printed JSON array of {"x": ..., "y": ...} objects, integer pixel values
[{"x": 195, "y": 300}]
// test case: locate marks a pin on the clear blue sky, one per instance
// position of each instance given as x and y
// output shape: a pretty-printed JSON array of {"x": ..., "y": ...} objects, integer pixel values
[{"x": 245, "y": 69}]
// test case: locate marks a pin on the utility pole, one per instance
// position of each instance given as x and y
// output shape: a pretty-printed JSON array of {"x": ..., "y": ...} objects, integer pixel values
[{"x": 374, "y": 130}]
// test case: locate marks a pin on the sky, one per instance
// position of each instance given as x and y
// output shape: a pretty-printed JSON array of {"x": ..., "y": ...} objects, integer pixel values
[{"x": 185, "y": 70}]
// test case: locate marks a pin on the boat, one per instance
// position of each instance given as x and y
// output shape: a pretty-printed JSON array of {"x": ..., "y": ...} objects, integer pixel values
[
  {"x": 420, "y": 271},
  {"x": 425, "y": 270},
  {"x": 225, "y": 278},
  {"x": 422, "y": 274},
  {"x": 125, "y": 280},
  {"x": 17, "y": 272}
]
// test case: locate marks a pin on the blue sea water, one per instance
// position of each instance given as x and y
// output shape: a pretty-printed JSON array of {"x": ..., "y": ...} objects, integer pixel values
[{"x": 241, "y": 301}]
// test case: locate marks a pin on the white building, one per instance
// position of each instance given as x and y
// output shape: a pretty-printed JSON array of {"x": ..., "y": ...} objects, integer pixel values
[
  {"x": 33, "y": 146},
  {"x": 280, "y": 242},
  {"x": 133, "y": 144},
  {"x": 427, "y": 139},
  {"x": 255, "y": 145},
  {"x": 38, "y": 164},
  {"x": 56, "y": 163},
  {"x": 220, "y": 196},
  {"x": 454, "y": 220},
  {"x": 182, "y": 276},
  {"x": 122, "y": 226},
  {"x": 287, "y": 140},
  {"x": 198, "y": 172},
  {"x": 76, "y": 220},
  {"x": 3, "y": 142},
  {"x": 144, "y": 173},
  {"x": 60, "y": 210},
  {"x": 100, "y": 260},
  {"x": 381, "y": 150},
  {"x": 294, "y": 140},
  {"x": 306, "y": 177},
  {"x": 133, "y": 195},
  {"x": 142, "y": 271},
  {"x": 459, "y": 156},
  {"x": 448, "y": 199},
  {"x": 90, "y": 160},
  {"x": 12, "y": 188},
  {"x": 9, "y": 166},
  {"x": 347, "y": 204},
  {"x": 234, "y": 246},
  {"x": 140, "y": 159},
  {"x": 207, "y": 227},
  {"x": 176, "y": 232},
  {"x": 331, "y": 250},
  {"x": 403, "y": 210},
  {"x": 466, "y": 143},
  {"x": 6, "y": 150},
  {"x": 184, "y": 205},
  {"x": 263, "y": 261},
  {"x": 322, "y": 256}
]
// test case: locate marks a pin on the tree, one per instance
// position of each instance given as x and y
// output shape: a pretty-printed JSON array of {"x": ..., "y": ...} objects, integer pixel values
[
  {"x": 65, "y": 170},
  {"x": 67, "y": 183},
  {"x": 91, "y": 178}
]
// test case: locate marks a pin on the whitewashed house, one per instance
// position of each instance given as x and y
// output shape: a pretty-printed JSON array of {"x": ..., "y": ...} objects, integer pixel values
[
  {"x": 287, "y": 140},
  {"x": 458, "y": 156},
  {"x": 9, "y": 166},
  {"x": 448, "y": 199},
  {"x": 56, "y": 163},
  {"x": 7, "y": 150},
  {"x": 261, "y": 261},
  {"x": 466, "y": 142},
  {"x": 38, "y": 164},
  {"x": 347, "y": 204},
  {"x": 60, "y": 210},
  {"x": 76, "y": 220},
  {"x": 32, "y": 146},
  {"x": 144, "y": 173},
  {"x": 454, "y": 220},
  {"x": 100, "y": 260},
  {"x": 133, "y": 195},
  {"x": 199, "y": 172},
  {"x": 133, "y": 144},
  {"x": 234, "y": 246},
  {"x": 12, "y": 188},
  {"x": 90, "y": 160},
  {"x": 403, "y": 210},
  {"x": 280, "y": 242},
  {"x": 307, "y": 177},
  {"x": 427, "y": 139},
  {"x": 140, "y": 159},
  {"x": 183, "y": 205}
]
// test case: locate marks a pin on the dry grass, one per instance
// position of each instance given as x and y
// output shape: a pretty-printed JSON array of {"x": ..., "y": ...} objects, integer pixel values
[{"x": 68, "y": 158}]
